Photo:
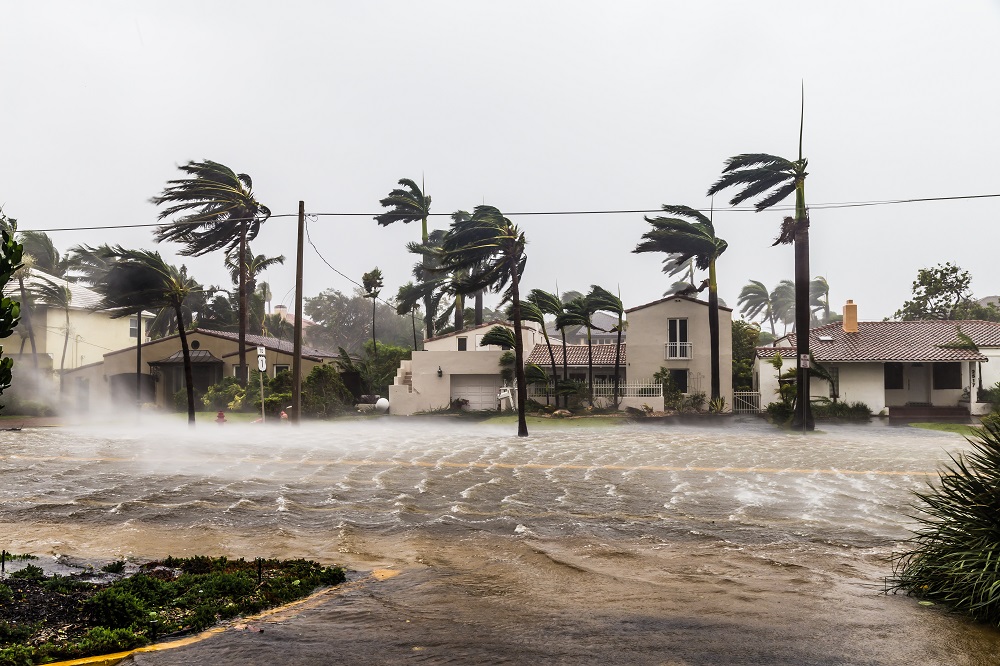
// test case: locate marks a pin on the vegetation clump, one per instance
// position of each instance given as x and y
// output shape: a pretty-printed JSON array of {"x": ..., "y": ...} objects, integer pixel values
[
  {"x": 953, "y": 555},
  {"x": 43, "y": 619}
]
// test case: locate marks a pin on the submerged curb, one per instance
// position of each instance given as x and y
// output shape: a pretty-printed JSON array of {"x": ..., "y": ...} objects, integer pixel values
[{"x": 287, "y": 611}]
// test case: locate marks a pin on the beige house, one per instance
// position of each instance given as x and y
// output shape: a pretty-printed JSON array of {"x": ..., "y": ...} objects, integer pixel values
[
  {"x": 214, "y": 355},
  {"x": 92, "y": 332},
  {"x": 897, "y": 368},
  {"x": 454, "y": 367},
  {"x": 672, "y": 333}
]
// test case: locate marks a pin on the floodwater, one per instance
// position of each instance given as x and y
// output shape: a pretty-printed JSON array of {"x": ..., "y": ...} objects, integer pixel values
[{"x": 633, "y": 544}]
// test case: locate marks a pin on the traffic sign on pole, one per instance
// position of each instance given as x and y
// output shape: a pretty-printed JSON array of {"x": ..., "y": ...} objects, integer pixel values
[{"x": 261, "y": 359}]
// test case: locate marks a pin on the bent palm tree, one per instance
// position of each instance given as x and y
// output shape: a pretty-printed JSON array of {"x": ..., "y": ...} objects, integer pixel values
[
  {"x": 531, "y": 312},
  {"x": 218, "y": 211},
  {"x": 550, "y": 304},
  {"x": 495, "y": 245},
  {"x": 755, "y": 301},
  {"x": 819, "y": 297},
  {"x": 684, "y": 240},
  {"x": 580, "y": 312},
  {"x": 605, "y": 301},
  {"x": 56, "y": 295},
  {"x": 783, "y": 301},
  {"x": 408, "y": 204},
  {"x": 140, "y": 279},
  {"x": 769, "y": 180}
]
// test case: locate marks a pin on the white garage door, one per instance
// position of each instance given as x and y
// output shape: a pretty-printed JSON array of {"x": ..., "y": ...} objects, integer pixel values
[{"x": 480, "y": 390}]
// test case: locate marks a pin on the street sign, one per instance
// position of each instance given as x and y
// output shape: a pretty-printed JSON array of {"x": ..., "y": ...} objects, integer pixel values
[
  {"x": 261, "y": 359},
  {"x": 804, "y": 360}
]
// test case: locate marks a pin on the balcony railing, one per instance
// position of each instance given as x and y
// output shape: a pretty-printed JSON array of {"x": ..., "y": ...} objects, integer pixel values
[{"x": 675, "y": 350}]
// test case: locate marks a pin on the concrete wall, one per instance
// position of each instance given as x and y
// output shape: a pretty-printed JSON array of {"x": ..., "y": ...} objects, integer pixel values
[
  {"x": 647, "y": 337},
  {"x": 427, "y": 391}
]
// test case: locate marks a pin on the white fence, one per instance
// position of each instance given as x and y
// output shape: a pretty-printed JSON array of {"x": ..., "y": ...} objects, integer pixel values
[
  {"x": 746, "y": 402},
  {"x": 606, "y": 390}
]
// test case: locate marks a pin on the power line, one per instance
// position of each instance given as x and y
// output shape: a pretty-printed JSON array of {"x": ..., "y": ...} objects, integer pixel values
[{"x": 636, "y": 211}]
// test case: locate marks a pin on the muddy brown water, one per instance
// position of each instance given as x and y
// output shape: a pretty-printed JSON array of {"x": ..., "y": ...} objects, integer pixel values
[{"x": 738, "y": 544}]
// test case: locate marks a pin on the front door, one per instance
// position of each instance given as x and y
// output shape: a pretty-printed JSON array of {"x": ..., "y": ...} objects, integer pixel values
[{"x": 917, "y": 383}]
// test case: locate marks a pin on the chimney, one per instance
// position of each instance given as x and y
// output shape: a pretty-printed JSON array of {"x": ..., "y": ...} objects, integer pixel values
[
  {"x": 850, "y": 317},
  {"x": 280, "y": 309}
]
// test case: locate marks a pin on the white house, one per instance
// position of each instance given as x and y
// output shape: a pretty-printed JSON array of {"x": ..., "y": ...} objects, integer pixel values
[{"x": 892, "y": 366}]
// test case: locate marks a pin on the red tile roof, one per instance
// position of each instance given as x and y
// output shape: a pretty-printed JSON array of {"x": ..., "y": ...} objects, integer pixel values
[
  {"x": 575, "y": 355},
  {"x": 882, "y": 341}
]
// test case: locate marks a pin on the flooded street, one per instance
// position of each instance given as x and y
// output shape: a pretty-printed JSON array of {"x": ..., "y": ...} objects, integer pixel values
[{"x": 634, "y": 544}]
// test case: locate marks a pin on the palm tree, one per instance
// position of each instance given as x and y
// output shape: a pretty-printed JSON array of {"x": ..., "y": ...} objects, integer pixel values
[
  {"x": 255, "y": 265},
  {"x": 605, "y": 301},
  {"x": 43, "y": 251},
  {"x": 755, "y": 300},
  {"x": 684, "y": 240},
  {"x": 770, "y": 180},
  {"x": 783, "y": 302},
  {"x": 531, "y": 312},
  {"x": 218, "y": 211},
  {"x": 580, "y": 312},
  {"x": 89, "y": 265},
  {"x": 550, "y": 304},
  {"x": 493, "y": 244},
  {"x": 57, "y": 295},
  {"x": 140, "y": 279},
  {"x": 372, "y": 284},
  {"x": 408, "y": 204},
  {"x": 819, "y": 297}
]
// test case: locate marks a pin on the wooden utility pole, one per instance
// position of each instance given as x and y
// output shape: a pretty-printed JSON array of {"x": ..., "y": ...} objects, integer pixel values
[{"x": 297, "y": 344}]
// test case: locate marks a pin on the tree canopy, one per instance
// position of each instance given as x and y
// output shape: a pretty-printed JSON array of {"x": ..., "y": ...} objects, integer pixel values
[{"x": 944, "y": 292}]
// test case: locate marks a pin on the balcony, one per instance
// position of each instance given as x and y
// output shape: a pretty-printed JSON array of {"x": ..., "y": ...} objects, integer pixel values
[{"x": 677, "y": 351}]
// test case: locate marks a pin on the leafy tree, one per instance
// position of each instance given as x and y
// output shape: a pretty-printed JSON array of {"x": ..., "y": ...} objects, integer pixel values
[
  {"x": 217, "y": 211},
  {"x": 746, "y": 336},
  {"x": 408, "y": 204},
  {"x": 376, "y": 372},
  {"x": 769, "y": 180},
  {"x": 139, "y": 280},
  {"x": 689, "y": 235},
  {"x": 944, "y": 292},
  {"x": 11, "y": 253},
  {"x": 604, "y": 300},
  {"x": 345, "y": 321},
  {"x": 324, "y": 393},
  {"x": 491, "y": 248}
]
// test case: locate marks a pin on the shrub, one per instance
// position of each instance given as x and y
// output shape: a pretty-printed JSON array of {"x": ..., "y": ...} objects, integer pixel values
[
  {"x": 991, "y": 419},
  {"x": 953, "y": 554},
  {"x": 180, "y": 400},
  {"x": 324, "y": 393},
  {"x": 64, "y": 584},
  {"x": 16, "y": 655},
  {"x": 116, "y": 608},
  {"x": 779, "y": 412},
  {"x": 855, "y": 411},
  {"x": 116, "y": 567},
  {"x": 101, "y": 640},
  {"x": 5, "y": 596},
  {"x": 221, "y": 396},
  {"x": 30, "y": 572}
]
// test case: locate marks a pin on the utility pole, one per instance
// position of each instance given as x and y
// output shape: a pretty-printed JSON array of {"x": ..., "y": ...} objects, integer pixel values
[{"x": 297, "y": 344}]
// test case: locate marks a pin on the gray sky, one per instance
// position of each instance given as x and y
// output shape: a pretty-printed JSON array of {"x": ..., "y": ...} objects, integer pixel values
[{"x": 527, "y": 106}]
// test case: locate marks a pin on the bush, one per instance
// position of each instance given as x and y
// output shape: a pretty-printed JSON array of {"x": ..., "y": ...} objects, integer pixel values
[
  {"x": 954, "y": 553},
  {"x": 221, "y": 396},
  {"x": 180, "y": 400},
  {"x": 5, "y": 595},
  {"x": 116, "y": 608},
  {"x": 101, "y": 640},
  {"x": 779, "y": 412},
  {"x": 30, "y": 572},
  {"x": 855, "y": 411},
  {"x": 324, "y": 393}
]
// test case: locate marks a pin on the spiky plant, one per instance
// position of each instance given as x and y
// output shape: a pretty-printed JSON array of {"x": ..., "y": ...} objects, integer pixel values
[{"x": 954, "y": 556}]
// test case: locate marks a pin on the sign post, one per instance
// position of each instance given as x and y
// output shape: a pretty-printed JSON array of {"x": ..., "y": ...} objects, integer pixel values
[{"x": 262, "y": 368}]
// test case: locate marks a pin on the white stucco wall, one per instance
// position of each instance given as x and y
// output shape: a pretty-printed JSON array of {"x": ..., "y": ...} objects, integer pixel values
[
  {"x": 427, "y": 391},
  {"x": 859, "y": 382}
]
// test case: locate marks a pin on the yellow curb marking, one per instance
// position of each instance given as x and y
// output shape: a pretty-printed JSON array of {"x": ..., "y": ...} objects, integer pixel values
[{"x": 279, "y": 613}]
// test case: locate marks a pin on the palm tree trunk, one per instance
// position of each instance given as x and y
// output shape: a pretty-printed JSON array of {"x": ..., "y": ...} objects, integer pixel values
[
  {"x": 62, "y": 362},
  {"x": 522, "y": 385},
  {"x": 459, "y": 313},
  {"x": 713, "y": 329},
  {"x": 803, "y": 412},
  {"x": 590, "y": 368},
  {"x": 565, "y": 368},
  {"x": 138, "y": 360},
  {"x": 552, "y": 359},
  {"x": 479, "y": 308},
  {"x": 618, "y": 361},
  {"x": 374, "y": 341},
  {"x": 188, "y": 374},
  {"x": 413, "y": 323},
  {"x": 244, "y": 314}
]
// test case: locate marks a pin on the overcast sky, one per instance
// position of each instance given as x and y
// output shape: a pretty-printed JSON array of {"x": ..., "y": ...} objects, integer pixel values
[{"x": 527, "y": 106}]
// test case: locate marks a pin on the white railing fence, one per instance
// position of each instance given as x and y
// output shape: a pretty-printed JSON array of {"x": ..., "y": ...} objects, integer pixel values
[
  {"x": 677, "y": 350},
  {"x": 607, "y": 390},
  {"x": 746, "y": 402}
]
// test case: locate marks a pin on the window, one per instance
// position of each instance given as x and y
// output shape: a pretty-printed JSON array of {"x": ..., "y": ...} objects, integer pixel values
[
  {"x": 677, "y": 339},
  {"x": 893, "y": 376},
  {"x": 947, "y": 375},
  {"x": 280, "y": 368},
  {"x": 133, "y": 327},
  {"x": 680, "y": 379},
  {"x": 834, "y": 382},
  {"x": 463, "y": 344}
]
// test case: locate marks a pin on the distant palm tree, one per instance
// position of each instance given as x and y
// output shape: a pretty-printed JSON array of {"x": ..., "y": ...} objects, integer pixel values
[
  {"x": 770, "y": 180},
  {"x": 819, "y": 297},
  {"x": 56, "y": 294},
  {"x": 494, "y": 245},
  {"x": 140, "y": 279},
  {"x": 690, "y": 235},
  {"x": 217, "y": 211},
  {"x": 604, "y": 300},
  {"x": 755, "y": 301},
  {"x": 89, "y": 265},
  {"x": 255, "y": 266},
  {"x": 531, "y": 312},
  {"x": 372, "y": 284},
  {"x": 783, "y": 302},
  {"x": 46, "y": 257}
]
